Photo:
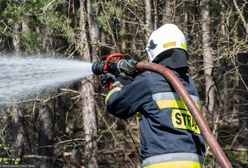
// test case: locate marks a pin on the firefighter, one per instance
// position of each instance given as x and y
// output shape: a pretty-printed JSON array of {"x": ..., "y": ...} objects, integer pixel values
[{"x": 170, "y": 138}]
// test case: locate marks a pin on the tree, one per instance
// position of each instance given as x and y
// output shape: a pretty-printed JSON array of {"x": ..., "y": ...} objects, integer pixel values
[
  {"x": 87, "y": 91},
  {"x": 148, "y": 18},
  {"x": 83, "y": 41},
  {"x": 16, "y": 40},
  {"x": 18, "y": 132},
  {"x": 207, "y": 57},
  {"x": 167, "y": 11},
  {"x": 45, "y": 136}
]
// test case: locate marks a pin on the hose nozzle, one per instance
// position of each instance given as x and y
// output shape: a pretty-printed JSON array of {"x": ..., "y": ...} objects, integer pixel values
[
  {"x": 97, "y": 67},
  {"x": 127, "y": 67}
]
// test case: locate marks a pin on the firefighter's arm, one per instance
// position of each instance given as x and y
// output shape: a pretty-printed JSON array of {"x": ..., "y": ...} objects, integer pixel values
[{"x": 124, "y": 102}]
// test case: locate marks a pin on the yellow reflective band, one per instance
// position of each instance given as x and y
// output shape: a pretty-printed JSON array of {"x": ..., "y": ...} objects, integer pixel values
[
  {"x": 172, "y": 104},
  {"x": 182, "y": 119},
  {"x": 184, "y": 46},
  {"x": 170, "y": 44},
  {"x": 176, "y": 164},
  {"x": 111, "y": 92}
]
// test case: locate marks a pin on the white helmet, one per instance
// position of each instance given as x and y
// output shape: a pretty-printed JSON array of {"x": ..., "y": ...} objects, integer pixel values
[{"x": 164, "y": 38}]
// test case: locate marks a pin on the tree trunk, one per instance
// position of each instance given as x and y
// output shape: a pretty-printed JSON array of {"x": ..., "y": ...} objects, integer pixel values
[
  {"x": 185, "y": 13},
  {"x": 207, "y": 57},
  {"x": 133, "y": 29},
  {"x": 16, "y": 40},
  {"x": 18, "y": 132},
  {"x": 123, "y": 36},
  {"x": 46, "y": 41},
  {"x": 94, "y": 31},
  {"x": 87, "y": 91},
  {"x": 222, "y": 47},
  {"x": 25, "y": 27},
  {"x": 62, "y": 112},
  {"x": 84, "y": 39},
  {"x": 148, "y": 18},
  {"x": 167, "y": 11},
  {"x": 156, "y": 21},
  {"x": 89, "y": 122},
  {"x": 45, "y": 136}
]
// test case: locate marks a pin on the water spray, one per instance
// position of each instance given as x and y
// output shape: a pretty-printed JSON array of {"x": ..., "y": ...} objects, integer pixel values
[{"x": 23, "y": 78}]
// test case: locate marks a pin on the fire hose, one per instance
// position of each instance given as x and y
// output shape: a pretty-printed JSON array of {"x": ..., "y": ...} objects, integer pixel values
[{"x": 123, "y": 66}]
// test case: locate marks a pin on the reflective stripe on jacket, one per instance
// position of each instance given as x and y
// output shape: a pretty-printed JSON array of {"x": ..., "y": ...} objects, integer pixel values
[
  {"x": 166, "y": 125},
  {"x": 185, "y": 160}
]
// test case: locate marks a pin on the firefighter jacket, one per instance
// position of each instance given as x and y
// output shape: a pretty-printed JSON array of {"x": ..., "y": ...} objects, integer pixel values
[{"x": 169, "y": 135}]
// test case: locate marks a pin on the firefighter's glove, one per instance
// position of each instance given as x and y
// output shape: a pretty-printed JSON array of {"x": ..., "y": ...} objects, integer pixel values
[{"x": 107, "y": 80}]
